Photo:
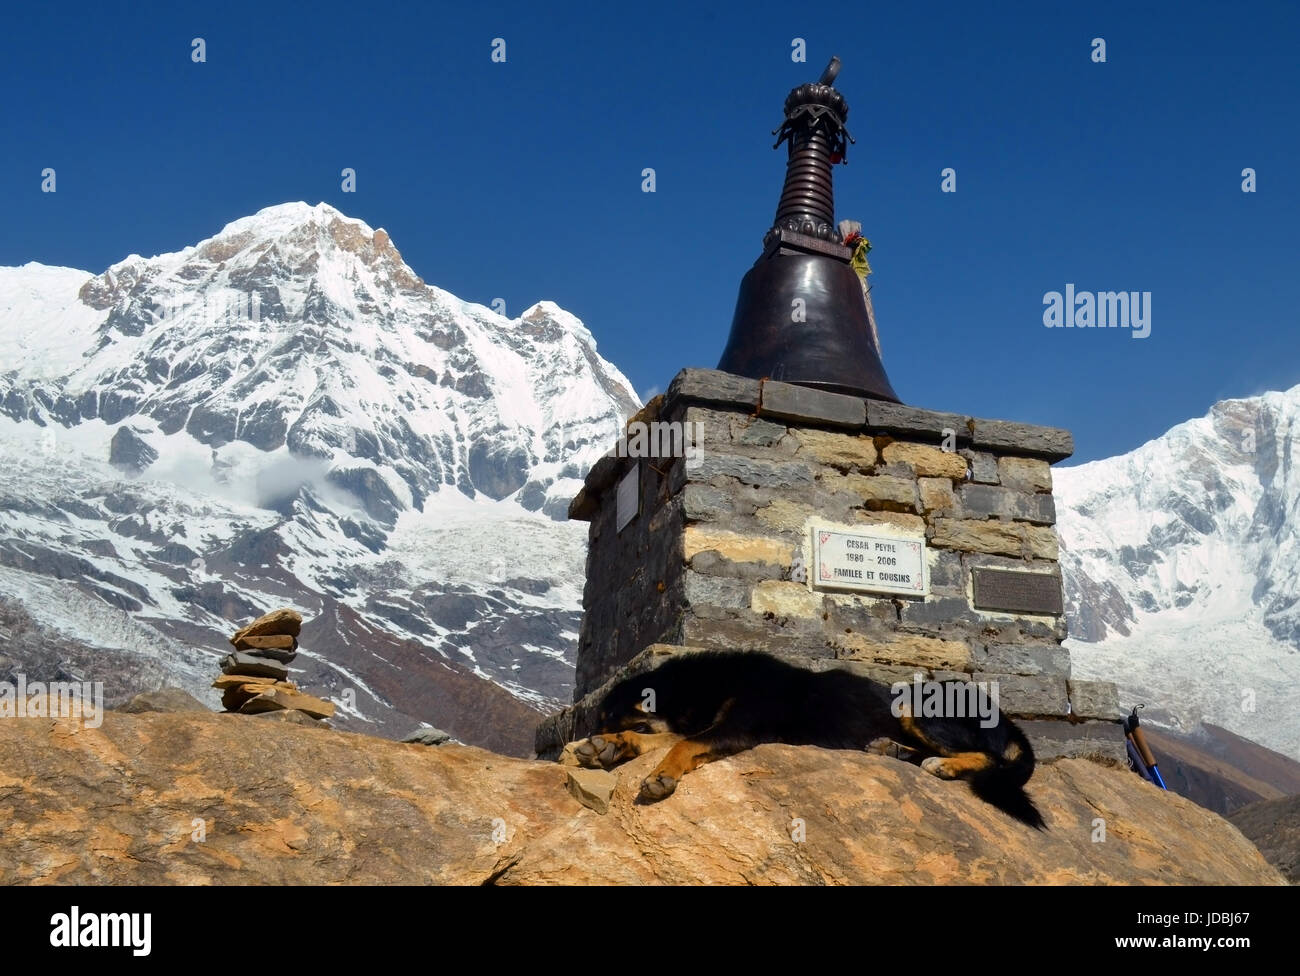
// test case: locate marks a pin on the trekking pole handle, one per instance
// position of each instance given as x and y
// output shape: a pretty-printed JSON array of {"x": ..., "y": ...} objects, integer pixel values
[
  {"x": 1133, "y": 728},
  {"x": 1143, "y": 749}
]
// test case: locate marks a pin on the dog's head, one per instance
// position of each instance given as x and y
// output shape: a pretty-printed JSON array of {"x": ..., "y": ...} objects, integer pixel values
[{"x": 626, "y": 709}]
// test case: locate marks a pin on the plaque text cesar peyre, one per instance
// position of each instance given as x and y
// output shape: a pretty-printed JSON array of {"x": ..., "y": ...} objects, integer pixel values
[{"x": 872, "y": 560}]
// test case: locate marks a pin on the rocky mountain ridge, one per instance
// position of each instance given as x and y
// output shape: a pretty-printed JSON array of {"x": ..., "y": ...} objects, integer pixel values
[
  {"x": 286, "y": 413},
  {"x": 1181, "y": 573}
]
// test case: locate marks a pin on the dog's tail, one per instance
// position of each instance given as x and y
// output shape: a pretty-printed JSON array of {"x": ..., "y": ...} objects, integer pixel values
[{"x": 1003, "y": 782}]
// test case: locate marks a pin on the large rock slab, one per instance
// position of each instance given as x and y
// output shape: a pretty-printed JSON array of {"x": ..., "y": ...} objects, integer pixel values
[
  {"x": 164, "y": 700},
  {"x": 428, "y": 737},
  {"x": 283, "y": 804}
]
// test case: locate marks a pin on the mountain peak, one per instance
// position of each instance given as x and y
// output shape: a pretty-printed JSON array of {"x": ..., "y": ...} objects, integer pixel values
[
  {"x": 286, "y": 217},
  {"x": 286, "y": 406},
  {"x": 1180, "y": 568},
  {"x": 298, "y": 226},
  {"x": 299, "y": 327}
]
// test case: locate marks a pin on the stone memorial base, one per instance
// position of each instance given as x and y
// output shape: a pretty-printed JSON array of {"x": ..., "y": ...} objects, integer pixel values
[{"x": 832, "y": 530}]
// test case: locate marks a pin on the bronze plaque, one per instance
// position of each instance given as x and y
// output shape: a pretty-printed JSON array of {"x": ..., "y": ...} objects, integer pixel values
[{"x": 1008, "y": 589}]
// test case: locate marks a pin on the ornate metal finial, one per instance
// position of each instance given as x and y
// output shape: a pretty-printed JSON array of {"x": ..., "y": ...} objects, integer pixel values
[
  {"x": 814, "y": 128},
  {"x": 802, "y": 315}
]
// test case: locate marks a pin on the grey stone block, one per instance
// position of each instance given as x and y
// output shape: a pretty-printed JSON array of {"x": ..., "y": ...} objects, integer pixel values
[
  {"x": 1095, "y": 699},
  {"x": 753, "y": 471},
  {"x": 991, "y": 501},
  {"x": 946, "y": 574},
  {"x": 897, "y": 418},
  {"x": 716, "y": 591},
  {"x": 1009, "y": 629},
  {"x": 251, "y": 663},
  {"x": 971, "y": 560},
  {"x": 1029, "y": 659},
  {"x": 677, "y": 475},
  {"x": 746, "y": 630},
  {"x": 898, "y": 469},
  {"x": 806, "y": 405},
  {"x": 712, "y": 386},
  {"x": 863, "y": 615},
  {"x": 704, "y": 503},
  {"x": 709, "y": 430},
  {"x": 1051, "y": 443},
  {"x": 756, "y": 432},
  {"x": 1029, "y": 695},
  {"x": 937, "y": 612},
  {"x": 983, "y": 466},
  {"x": 710, "y": 563},
  {"x": 1057, "y": 629},
  {"x": 428, "y": 737},
  {"x": 1038, "y": 508}
]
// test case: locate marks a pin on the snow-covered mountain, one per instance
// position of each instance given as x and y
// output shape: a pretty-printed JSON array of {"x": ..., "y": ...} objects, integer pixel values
[
  {"x": 1182, "y": 569},
  {"x": 286, "y": 413}
]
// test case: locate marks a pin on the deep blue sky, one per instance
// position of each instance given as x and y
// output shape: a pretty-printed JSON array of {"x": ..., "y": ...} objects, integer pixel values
[{"x": 523, "y": 180}]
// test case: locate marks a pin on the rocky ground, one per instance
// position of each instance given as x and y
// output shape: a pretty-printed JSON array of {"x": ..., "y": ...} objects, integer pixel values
[
  {"x": 1274, "y": 825},
  {"x": 203, "y": 798}
]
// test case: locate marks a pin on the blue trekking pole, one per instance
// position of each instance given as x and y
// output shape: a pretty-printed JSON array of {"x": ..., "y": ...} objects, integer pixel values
[{"x": 1144, "y": 762}]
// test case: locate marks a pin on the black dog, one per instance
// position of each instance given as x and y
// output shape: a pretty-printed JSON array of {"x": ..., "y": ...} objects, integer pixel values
[{"x": 708, "y": 705}]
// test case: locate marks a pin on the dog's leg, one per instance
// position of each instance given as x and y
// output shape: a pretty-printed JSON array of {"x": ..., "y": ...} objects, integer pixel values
[
  {"x": 686, "y": 755},
  {"x": 952, "y": 762},
  {"x": 960, "y": 765},
  {"x": 609, "y": 749}
]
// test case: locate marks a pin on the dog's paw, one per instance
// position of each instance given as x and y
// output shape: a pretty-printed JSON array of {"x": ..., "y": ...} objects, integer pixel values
[
  {"x": 656, "y": 787},
  {"x": 938, "y": 766},
  {"x": 597, "y": 752}
]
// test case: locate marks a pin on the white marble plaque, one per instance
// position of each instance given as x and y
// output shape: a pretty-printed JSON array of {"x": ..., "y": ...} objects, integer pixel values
[
  {"x": 628, "y": 501},
  {"x": 869, "y": 559}
]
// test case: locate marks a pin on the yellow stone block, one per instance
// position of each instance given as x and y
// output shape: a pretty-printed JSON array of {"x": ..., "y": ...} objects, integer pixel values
[{"x": 931, "y": 462}]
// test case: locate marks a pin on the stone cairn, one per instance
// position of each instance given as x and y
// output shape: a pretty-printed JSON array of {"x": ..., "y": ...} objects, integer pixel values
[{"x": 255, "y": 678}]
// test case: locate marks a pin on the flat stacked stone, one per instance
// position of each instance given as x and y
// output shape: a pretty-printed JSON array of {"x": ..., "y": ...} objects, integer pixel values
[{"x": 254, "y": 678}]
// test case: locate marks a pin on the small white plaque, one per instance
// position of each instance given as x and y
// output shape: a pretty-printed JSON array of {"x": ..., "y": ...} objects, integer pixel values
[
  {"x": 876, "y": 561},
  {"x": 629, "y": 496}
]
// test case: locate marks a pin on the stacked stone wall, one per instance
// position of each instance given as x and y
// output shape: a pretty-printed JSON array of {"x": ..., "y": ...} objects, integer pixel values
[{"x": 718, "y": 553}]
